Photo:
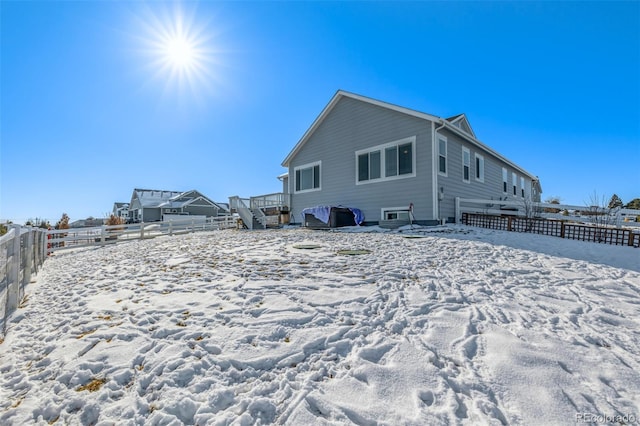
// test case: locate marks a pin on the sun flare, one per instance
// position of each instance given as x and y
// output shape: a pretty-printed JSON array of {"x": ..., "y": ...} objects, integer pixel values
[
  {"x": 180, "y": 52},
  {"x": 180, "y": 49}
]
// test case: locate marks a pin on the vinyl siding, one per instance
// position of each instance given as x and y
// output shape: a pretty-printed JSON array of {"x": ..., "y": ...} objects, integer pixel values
[
  {"x": 491, "y": 188},
  {"x": 152, "y": 215},
  {"x": 201, "y": 210},
  {"x": 353, "y": 125}
]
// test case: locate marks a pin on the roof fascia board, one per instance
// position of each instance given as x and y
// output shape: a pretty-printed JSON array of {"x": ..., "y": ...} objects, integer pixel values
[
  {"x": 463, "y": 117},
  {"x": 475, "y": 141},
  {"x": 201, "y": 198},
  {"x": 332, "y": 103}
]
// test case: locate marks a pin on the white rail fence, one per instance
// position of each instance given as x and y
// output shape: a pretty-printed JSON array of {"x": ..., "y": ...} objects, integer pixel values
[
  {"x": 22, "y": 252},
  {"x": 60, "y": 239}
]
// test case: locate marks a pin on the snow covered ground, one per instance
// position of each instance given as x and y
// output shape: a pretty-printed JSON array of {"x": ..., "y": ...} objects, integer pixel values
[{"x": 457, "y": 326}]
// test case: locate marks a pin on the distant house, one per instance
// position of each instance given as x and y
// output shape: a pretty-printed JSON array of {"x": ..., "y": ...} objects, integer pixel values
[
  {"x": 86, "y": 223},
  {"x": 148, "y": 205},
  {"x": 390, "y": 162},
  {"x": 121, "y": 210}
]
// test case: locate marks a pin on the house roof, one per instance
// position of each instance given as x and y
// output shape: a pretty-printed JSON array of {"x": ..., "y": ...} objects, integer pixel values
[
  {"x": 151, "y": 198},
  {"x": 461, "y": 122},
  {"x": 457, "y": 124}
]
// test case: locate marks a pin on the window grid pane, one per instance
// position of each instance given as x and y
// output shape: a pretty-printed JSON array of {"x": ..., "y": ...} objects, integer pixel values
[
  {"x": 363, "y": 167},
  {"x": 374, "y": 165},
  {"x": 405, "y": 159},
  {"x": 306, "y": 179},
  {"x": 391, "y": 161},
  {"x": 316, "y": 177},
  {"x": 442, "y": 151}
]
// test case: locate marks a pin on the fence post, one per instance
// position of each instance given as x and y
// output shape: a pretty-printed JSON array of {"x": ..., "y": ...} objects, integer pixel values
[
  {"x": 29, "y": 260},
  {"x": 102, "y": 234},
  {"x": 562, "y": 229},
  {"x": 632, "y": 237},
  {"x": 170, "y": 226},
  {"x": 457, "y": 210},
  {"x": 509, "y": 223},
  {"x": 13, "y": 286},
  {"x": 141, "y": 230}
]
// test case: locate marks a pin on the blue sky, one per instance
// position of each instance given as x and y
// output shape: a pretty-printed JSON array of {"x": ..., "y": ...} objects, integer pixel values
[{"x": 91, "y": 107}]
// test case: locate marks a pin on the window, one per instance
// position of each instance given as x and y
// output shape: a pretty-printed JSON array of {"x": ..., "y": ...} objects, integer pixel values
[
  {"x": 394, "y": 160},
  {"x": 504, "y": 180},
  {"x": 369, "y": 166},
  {"x": 307, "y": 177},
  {"x": 396, "y": 213},
  {"x": 479, "y": 167},
  {"x": 514, "y": 181},
  {"x": 466, "y": 164},
  {"x": 522, "y": 186},
  {"x": 442, "y": 155}
]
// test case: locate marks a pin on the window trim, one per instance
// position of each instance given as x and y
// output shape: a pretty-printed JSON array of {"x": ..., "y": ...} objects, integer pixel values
[
  {"x": 307, "y": 166},
  {"x": 479, "y": 170},
  {"x": 446, "y": 157},
  {"x": 522, "y": 186},
  {"x": 505, "y": 180},
  {"x": 383, "y": 161},
  {"x": 514, "y": 183},
  {"x": 467, "y": 151},
  {"x": 394, "y": 209}
]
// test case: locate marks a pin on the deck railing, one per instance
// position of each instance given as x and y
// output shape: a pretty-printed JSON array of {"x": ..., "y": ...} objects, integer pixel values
[{"x": 275, "y": 200}]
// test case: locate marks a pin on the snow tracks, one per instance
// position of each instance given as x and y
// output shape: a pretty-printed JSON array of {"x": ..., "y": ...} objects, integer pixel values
[{"x": 275, "y": 327}]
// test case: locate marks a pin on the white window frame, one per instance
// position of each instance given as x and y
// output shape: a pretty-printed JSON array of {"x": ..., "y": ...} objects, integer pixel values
[
  {"x": 383, "y": 161},
  {"x": 522, "y": 187},
  {"x": 505, "y": 181},
  {"x": 514, "y": 183},
  {"x": 385, "y": 210},
  {"x": 446, "y": 159},
  {"x": 465, "y": 150},
  {"x": 479, "y": 174},
  {"x": 307, "y": 166}
]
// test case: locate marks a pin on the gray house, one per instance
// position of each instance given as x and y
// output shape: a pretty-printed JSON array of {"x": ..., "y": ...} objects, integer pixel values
[
  {"x": 120, "y": 210},
  {"x": 148, "y": 205},
  {"x": 388, "y": 161}
]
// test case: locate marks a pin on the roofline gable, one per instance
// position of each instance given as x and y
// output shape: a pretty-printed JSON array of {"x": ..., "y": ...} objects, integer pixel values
[
  {"x": 334, "y": 101},
  {"x": 449, "y": 125},
  {"x": 462, "y": 119},
  {"x": 482, "y": 145}
]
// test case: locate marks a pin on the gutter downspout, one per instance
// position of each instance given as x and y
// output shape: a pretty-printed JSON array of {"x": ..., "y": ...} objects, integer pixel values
[{"x": 436, "y": 169}]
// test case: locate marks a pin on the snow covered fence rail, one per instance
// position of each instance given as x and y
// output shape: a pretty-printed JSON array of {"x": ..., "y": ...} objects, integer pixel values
[
  {"x": 556, "y": 228},
  {"x": 22, "y": 252},
  {"x": 108, "y": 234}
]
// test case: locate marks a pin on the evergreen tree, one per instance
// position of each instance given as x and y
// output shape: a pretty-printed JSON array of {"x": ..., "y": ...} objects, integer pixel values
[
  {"x": 615, "y": 202},
  {"x": 633, "y": 204}
]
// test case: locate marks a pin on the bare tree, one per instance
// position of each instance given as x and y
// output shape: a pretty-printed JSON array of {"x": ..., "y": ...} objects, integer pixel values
[
  {"x": 531, "y": 211},
  {"x": 600, "y": 214}
]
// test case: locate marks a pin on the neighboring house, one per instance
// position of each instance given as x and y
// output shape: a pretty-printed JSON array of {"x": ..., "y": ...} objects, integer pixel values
[
  {"x": 148, "y": 205},
  {"x": 121, "y": 210},
  {"x": 385, "y": 160},
  {"x": 86, "y": 223}
]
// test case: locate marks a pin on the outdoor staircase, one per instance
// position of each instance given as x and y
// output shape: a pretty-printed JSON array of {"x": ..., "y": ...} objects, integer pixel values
[{"x": 251, "y": 210}]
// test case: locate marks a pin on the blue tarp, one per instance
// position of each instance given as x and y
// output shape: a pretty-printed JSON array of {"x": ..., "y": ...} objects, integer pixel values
[{"x": 322, "y": 213}]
